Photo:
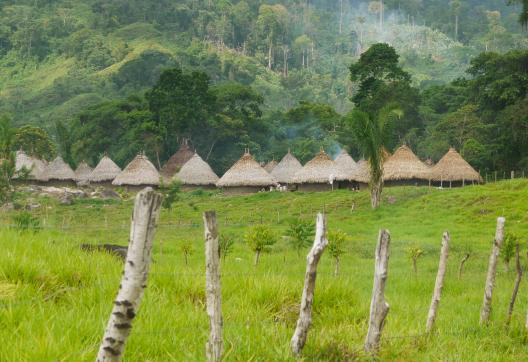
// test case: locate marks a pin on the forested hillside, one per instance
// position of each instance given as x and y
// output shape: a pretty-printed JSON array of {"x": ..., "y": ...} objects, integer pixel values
[{"x": 278, "y": 73}]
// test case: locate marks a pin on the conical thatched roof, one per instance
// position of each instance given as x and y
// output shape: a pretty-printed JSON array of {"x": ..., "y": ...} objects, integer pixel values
[
  {"x": 176, "y": 162},
  {"x": 286, "y": 169},
  {"x": 362, "y": 172},
  {"x": 346, "y": 165},
  {"x": 33, "y": 164},
  {"x": 270, "y": 166},
  {"x": 246, "y": 172},
  {"x": 138, "y": 172},
  {"x": 319, "y": 170},
  {"x": 58, "y": 170},
  {"x": 452, "y": 167},
  {"x": 404, "y": 165},
  {"x": 197, "y": 172},
  {"x": 106, "y": 170},
  {"x": 83, "y": 171}
]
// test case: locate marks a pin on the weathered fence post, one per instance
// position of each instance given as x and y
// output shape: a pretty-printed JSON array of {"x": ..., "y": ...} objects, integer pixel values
[
  {"x": 305, "y": 315},
  {"x": 439, "y": 284},
  {"x": 215, "y": 345},
  {"x": 512, "y": 175},
  {"x": 492, "y": 267},
  {"x": 516, "y": 285},
  {"x": 134, "y": 280},
  {"x": 379, "y": 308}
]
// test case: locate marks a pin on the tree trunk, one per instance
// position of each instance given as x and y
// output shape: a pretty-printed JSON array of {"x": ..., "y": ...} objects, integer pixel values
[
  {"x": 215, "y": 346},
  {"x": 456, "y": 27},
  {"x": 439, "y": 283},
  {"x": 270, "y": 46},
  {"x": 516, "y": 285},
  {"x": 134, "y": 280},
  {"x": 379, "y": 308},
  {"x": 257, "y": 257},
  {"x": 375, "y": 193},
  {"x": 305, "y": 315},
  {"x": 492, "y": 268},
  {"x": 461, "y": 267},
  {"x": 415, "y": 267}
]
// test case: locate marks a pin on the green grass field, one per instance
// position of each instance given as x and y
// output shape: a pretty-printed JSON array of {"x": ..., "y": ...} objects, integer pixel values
[{"x": 55, "y": 299}]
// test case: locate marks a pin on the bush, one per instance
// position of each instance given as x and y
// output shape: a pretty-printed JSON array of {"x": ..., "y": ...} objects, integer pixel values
[
  {"x": 26, "y": 222},
  {"x": 336, "y": 247},
  {"x": 226, "y": 243},
  {"x": 508, "y": 249},
  {"x": 415, "y": 253},
  {"x": 300, "y": 234},
  {"x": 260, "y": 239},
  {"x": 171, "y": 194}
]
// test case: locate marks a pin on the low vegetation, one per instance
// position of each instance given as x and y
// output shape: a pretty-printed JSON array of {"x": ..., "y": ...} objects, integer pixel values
[{"x": 55, "y": 298}]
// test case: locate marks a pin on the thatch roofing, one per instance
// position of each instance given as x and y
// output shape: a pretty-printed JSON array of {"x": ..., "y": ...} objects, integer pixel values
[
  {"x": 270, "y": 166},
  {"x": 138, "y": 172},
  {"x": 196, "y": 172},
  {"x": 83, "y": 171},
  {"x": 346, "y": 165},
  {"x": 106, "y": 170},
  {"x": 58, "y": 170},
  {"x": 286, "y": 169},
  {"x": 246, "y": 172},
  {"x": 452, "y": 167},
  {"x": 319, "y": 170},
  {"x": 33, "y": 164},
  {"x": 176, "y": 162},
  {"x": 362, "y": 172},
  {"x": 404, "y": 165}
]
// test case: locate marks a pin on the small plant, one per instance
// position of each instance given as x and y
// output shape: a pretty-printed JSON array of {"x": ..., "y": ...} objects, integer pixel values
[
  {"x": 467, "y": 251},
  {"x": 260, "y": 239},
  {"x": 187, "y": 249},
  {"x": 171, "y": 194},
  {"x": 508, "y": 249},
  {"x": 415, "y": 253},
  {"x": 300, "y": 234},
  {"x": 122, "y": 192},
  {"x": 336, "y": 247},
  {"x": 26, "y": 222},
  {"x": 226, "y": 243}
]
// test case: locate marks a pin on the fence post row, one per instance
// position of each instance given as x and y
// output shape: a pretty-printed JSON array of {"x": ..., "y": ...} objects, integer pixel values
[
  {"x": 305, "y": 315},
  {"x": 439, "y": 283},
  {"x": 492, "y": 268},
  {"x": 134, "y": 280},
  {"x": 379, "y": 308},
  {"x": 215, "y": 345}
]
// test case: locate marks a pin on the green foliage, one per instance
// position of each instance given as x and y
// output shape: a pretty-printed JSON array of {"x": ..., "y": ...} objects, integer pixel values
[
  {"x": 7, "y": 158},
  {"x": 260, "y": 239},
  {"x": 414, "y": 253},
  {"x": 300, "y": 234},
  {"x": 26, "y": 222},
  {"x": 226, "y": 243},
  {"x": 34, "y": 141},
  {"x": 171, "y": 194},
  {"x": 187, "y": 249},
  {"x": 336, "y": 243},
  {"x": 508, "y": 248}
]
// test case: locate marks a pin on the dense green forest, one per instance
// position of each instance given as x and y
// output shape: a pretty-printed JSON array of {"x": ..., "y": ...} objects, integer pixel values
[{"x": 270, "y": 75}]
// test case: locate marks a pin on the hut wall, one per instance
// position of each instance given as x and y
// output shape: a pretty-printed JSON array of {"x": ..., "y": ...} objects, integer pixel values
[
  {"x": 243, "y": 190},
  {"x": 412, "y": 182},
  {"x": 61, "y": 183},
  {"x": 316, "y": 187},
  {"x": 187, "y": 188},
  {"x": 447, "y": 184}
]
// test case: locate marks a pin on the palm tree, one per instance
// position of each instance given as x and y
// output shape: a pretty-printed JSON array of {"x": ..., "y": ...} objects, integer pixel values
[{"x": 372, "y": 135}]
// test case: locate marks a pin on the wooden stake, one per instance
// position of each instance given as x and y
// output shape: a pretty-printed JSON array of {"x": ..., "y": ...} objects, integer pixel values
[
  {"x": 516, "y": 285},
  {"x": 305, "y": 315},
  {"x": 215, "y": 345},
  {"x": 134, "y": 280},
  {"x": 379, "y": 308},
  {"x": 492, "y": 268},
  {"x": 439, "y": 284}
]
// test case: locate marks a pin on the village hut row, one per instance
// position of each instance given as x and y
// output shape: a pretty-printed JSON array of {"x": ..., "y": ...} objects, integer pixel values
[{"x": 322, "y": 173}]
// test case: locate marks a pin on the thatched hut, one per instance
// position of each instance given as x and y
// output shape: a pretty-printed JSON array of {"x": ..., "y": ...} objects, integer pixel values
[
  {"x": 138, "y": 174},
  {"x": 246, "y": 176},
  {"x": 59, "y": 173},
  {"x": 320, "y": 174},
  {"x": 104, "y": 173},
  {"x": 30, "y": 164},
  {"x": 83, "y": 172},
  {"x": 286, "y": 169},
  {"x": 404, "y": 168},
  {"x": 270, "y": 166},
  {"x": 176, "y": 162},
  {"x": 348, "y": 168},
  {"x": 362, "y": 174},
  {"x": 196, "y": 173},
  {"x": 452, "y": 169}
]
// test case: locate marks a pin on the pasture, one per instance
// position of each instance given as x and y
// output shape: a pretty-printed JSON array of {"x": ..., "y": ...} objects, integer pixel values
[{"x": 55, "y": 299}]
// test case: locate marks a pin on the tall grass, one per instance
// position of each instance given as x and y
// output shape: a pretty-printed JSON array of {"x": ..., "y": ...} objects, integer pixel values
[{"x": 55, "y": 299}]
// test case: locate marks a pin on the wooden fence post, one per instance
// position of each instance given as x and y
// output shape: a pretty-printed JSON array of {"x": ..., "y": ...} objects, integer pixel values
[
  {"x": 439, "y": 284},
  {"x": 516, "y": 285},
  {"x": 305, "y": 315},
  {"x": 492, "y": 267},
  {"x": 379, "y": 308},
  {"x": 215, "y": 345},
  {"x": 134, "y": 280}
]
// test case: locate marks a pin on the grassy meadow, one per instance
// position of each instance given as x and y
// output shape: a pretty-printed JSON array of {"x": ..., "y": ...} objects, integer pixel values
[{"x": 55, "y": 299}]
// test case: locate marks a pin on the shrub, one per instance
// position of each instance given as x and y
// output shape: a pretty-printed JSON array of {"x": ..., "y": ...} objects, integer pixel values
[
  {"x": 336, "y": 247},
  {"x": 187, "y": 249},
  {"x": 508, "y": 249},
  {"x": 26, "y": 222},
  {"x": 300, "y": 234},
  {"x": 226, "y": 243},
  {"x": 415, "y": 253},
  {"x": 260, "y": 239},
  {"x": 171, "y": 194}
]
